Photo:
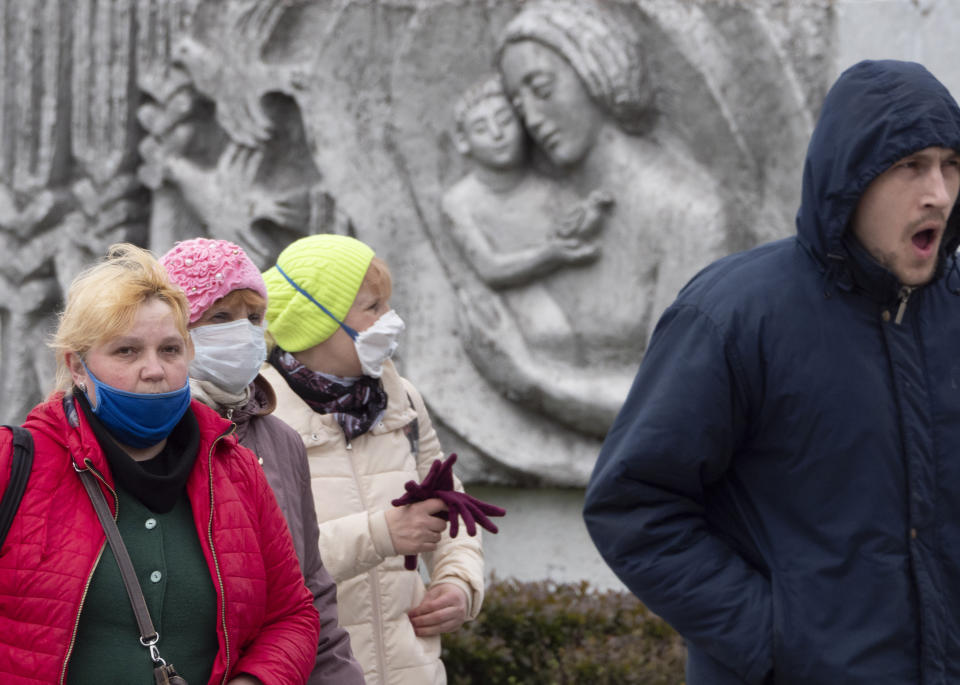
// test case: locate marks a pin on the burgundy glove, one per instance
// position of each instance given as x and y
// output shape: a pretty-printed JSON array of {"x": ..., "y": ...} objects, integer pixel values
[{"x": 439, "y": 484}]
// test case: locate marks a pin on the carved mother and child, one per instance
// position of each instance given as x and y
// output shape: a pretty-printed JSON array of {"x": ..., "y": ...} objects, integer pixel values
[{"x": 581, "y": 217}]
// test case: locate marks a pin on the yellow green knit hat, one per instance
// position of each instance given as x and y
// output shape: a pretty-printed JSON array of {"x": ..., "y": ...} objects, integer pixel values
[{"x": 329, "y": 268}]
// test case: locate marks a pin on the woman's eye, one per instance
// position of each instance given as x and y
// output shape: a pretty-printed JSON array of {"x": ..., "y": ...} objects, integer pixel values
[
  {"x": 542, "y": 86},
  {"x": 255, "y": 319}
]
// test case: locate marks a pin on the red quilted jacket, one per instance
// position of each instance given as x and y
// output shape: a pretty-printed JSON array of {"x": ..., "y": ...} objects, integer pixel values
[{"x": 267, "y": 624}]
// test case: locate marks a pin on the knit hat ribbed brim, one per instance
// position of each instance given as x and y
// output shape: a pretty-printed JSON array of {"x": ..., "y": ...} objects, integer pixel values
[{"x": 331, "y": 269}]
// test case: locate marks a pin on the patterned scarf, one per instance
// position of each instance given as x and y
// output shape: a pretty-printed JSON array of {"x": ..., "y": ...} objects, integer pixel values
[{"x": 355, "y": 404}]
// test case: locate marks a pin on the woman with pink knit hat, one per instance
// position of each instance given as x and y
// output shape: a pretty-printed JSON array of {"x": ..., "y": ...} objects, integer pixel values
[
  {"x": 368, "y": 433},
  {"x": 227, "y": 299}
]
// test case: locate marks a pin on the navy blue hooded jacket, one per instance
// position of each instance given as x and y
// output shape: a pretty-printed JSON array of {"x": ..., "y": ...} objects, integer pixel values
[{"x": 783, "y": 482}]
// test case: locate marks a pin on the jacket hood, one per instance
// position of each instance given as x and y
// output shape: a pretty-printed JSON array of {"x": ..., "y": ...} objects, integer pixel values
[{"x": 875, "y": 114}]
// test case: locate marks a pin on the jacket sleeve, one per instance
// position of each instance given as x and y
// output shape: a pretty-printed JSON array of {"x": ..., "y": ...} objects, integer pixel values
[
  {"x": 355, "y": 543},
  {"x": 335, "y": 663},
  {"x": 675, "y": 435},
  {"x": 284, "y": 650},
  {"x": 458, "y": 560}
]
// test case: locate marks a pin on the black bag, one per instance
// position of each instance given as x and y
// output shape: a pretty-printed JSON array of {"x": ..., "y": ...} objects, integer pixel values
[{"x": 21, "y": 464}]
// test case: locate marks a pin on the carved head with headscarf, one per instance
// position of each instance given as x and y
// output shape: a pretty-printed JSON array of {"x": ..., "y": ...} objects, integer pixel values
[{"x": 602, "y": 50}]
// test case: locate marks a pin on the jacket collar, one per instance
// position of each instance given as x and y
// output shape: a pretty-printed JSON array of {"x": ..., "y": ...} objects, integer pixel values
[
  {"x": 59, "y": 421},
  {"x": 308, "y": 423}
]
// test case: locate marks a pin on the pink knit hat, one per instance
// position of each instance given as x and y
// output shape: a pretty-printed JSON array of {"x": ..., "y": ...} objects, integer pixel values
[{"x": 207, "y": 270}]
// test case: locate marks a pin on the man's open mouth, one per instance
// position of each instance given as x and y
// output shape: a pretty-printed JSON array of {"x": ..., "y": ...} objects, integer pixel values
[{"x": 923, "y": 240}]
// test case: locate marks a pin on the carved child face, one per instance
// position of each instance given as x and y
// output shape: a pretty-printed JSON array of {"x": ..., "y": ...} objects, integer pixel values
[
  {"x": 493, "y": 135},
  {"x": 555, "y": 106}
]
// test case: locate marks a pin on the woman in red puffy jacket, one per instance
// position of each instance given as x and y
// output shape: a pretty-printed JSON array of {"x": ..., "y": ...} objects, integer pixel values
[{"x": 211, "y": 549}]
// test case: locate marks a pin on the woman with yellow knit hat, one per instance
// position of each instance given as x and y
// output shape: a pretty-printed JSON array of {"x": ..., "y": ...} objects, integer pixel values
[{"x": 367, "y": 433}]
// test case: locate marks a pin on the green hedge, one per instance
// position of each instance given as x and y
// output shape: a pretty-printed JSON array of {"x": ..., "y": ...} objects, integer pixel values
[{"x": 558, "y": 634}]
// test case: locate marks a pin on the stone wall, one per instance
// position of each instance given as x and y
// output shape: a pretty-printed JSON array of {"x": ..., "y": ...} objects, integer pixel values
[{"x": 533, "y": 246}]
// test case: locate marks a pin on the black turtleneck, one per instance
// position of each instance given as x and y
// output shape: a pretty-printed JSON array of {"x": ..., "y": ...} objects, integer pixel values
[{"x": 158, "y": 482}]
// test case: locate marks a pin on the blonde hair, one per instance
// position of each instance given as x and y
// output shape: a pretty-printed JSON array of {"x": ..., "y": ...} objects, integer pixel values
[
  {"x": 378, "y": 278},
  {"x": 103, "y": 301}
]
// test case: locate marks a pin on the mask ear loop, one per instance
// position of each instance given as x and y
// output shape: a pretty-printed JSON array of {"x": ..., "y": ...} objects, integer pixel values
[
  {"x": 352, "y": 333},
  {"x": 83, "y": 386}
]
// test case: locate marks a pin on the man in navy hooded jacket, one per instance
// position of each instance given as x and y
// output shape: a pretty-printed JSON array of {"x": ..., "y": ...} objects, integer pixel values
[{"x": 783, "y": 482}]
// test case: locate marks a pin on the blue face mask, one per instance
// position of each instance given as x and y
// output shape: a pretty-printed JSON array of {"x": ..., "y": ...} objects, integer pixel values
[{"x": 137, "y": 419}]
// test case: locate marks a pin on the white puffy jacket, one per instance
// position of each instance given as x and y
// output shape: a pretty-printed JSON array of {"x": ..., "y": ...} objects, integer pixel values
[{"x": 352, "y": 487}]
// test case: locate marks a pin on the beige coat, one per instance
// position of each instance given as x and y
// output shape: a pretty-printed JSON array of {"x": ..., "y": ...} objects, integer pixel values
[{"x": 352, "y": 488}]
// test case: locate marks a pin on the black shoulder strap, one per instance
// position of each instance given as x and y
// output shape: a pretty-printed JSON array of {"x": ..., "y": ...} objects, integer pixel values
[{"x": 20, "y": 466}]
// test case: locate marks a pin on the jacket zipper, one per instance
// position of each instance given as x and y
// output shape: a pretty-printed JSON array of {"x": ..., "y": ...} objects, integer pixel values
[
  {"x": 374, "y": 579},
  {"x": 86, "y": 587},
  {"x": 904, "y": 295},
  {"x": 216, "y": 564}
]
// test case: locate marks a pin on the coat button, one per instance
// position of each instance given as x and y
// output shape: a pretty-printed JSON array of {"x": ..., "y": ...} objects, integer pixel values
[
  {"x": 913, "y": 533},
  {"x": 155, "y": 577},
  {"x": 150, "y": 524},
  {"x": 885, "y": 315}
]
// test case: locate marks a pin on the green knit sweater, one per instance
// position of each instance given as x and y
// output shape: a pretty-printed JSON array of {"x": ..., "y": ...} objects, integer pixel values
[{"x": 176, "y": 583}]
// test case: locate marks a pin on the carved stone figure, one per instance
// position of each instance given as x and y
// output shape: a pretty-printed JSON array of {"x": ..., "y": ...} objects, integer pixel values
[
  {"x": 234, "y": 56},
  {"x": 567, "y": 340},
  {"x": 510, "y": 221},
  {"x": 220, "y": 176}
]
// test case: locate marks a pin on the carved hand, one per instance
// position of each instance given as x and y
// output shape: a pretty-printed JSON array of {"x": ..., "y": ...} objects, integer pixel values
[
  {"x": 586, "y": 218},
  {"x": 575, "y": 250}
]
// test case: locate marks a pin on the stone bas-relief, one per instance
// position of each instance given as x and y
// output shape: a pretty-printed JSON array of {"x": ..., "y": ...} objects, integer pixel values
[
  {"x": 567, "y": 340},
  {"x": 515, "y": 226},
  {"x": 647, "y": 122},
  {"x": 225, "y": 153},
  {"x": 529, "y": 273}
]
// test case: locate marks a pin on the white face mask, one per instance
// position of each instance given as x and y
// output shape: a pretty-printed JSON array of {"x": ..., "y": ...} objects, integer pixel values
[
  {"x": 378, "y": 343},
  {"x": 228, "y": 354}
]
